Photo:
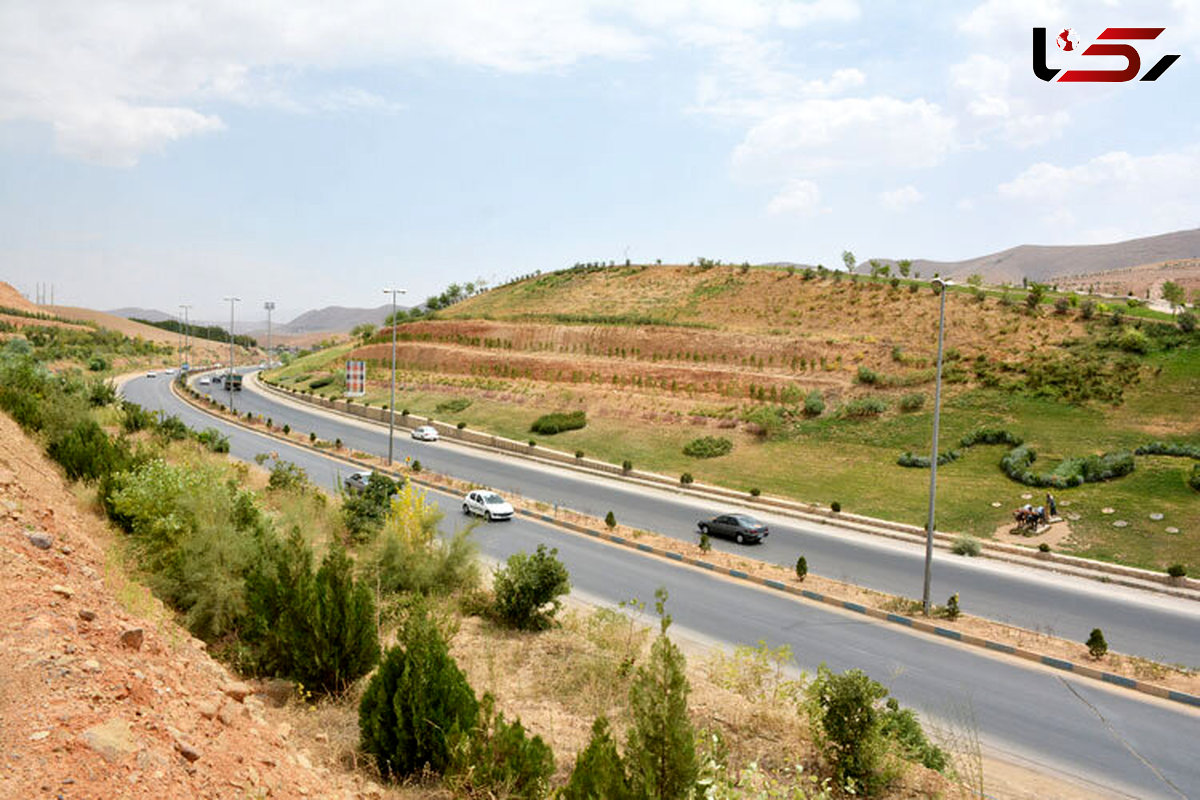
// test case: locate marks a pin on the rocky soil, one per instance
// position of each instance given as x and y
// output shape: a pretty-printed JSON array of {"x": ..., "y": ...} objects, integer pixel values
[{"x": 102, "y": 695}]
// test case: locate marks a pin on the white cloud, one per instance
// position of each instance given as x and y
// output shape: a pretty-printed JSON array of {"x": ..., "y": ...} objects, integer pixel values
[
  {"x": 901, "y": 199},
  {"x": 797, "y": 198},
  {"x": 1099, "y": 197},
  {"x": 117, "y": 134},
  {"x": 818, "y": 136}
]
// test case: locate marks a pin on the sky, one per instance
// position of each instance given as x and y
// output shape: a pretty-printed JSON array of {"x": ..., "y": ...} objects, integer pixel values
[{"x": 155, "y": 152}]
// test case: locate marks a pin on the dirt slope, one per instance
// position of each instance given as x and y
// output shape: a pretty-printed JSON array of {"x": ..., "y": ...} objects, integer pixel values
[
  {"x": 89, "y": 708},
  {"x": 11, "y": 298}
]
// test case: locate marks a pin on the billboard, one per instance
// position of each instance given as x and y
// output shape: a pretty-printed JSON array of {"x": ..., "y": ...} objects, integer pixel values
[{"x": 356, "y": 378}]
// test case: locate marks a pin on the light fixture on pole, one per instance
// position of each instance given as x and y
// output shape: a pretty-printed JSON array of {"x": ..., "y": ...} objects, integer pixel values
[
  {"x": 933, "y": 459},
  {"x": 269, "y": 306},
  {"x": 186, "y": 334},
  {"x": 392, "y": 402},
  {"x": 229, "y": 379}
]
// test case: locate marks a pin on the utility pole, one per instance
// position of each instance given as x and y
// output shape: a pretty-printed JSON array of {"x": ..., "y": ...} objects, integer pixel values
[
  {"x": 933, "y": 459},
  {"x": 269, "y": 306},
  {"x": 229, "y": 381},
  {"x": 392, "y": 402},
  {"x": 186, "y": 333}
]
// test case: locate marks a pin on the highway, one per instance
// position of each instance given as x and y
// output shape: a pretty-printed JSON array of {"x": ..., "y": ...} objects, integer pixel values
[
  {"x": 1115, "y": 741},
  {"x": 1139, "y": 623}
]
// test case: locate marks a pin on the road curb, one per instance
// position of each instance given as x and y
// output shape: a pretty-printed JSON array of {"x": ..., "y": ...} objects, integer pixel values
[
  {"x": 1118, "y": 574},
  {"x": 924, "y": 626}
]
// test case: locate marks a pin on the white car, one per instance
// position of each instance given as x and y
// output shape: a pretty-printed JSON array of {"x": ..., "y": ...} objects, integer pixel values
[
  {"x": 205, "y": 382},
  {"x": 488, "y": 505},
  {"x": 170, "y": 371},
  {"x": 151, "y": 374},
  {"x": 425, "y": 433}
]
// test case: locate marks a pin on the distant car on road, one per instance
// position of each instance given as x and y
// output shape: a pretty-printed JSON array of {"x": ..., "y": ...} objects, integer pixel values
[
  {"x": 488, "y": 505},
  {"x": 205, "y": 381},
  {"x": 425, "y": 433},
  {"x": 741, "y": 528},
  {"x": 170, "y": 371},
  {"x": 151, "y": 374},
  {"x": 357, "y": 481}
]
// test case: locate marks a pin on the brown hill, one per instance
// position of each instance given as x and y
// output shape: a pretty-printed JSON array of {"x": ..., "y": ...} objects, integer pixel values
[
  {"x": 11, "y": 298},
  {"x": 1045, "y": 264}
]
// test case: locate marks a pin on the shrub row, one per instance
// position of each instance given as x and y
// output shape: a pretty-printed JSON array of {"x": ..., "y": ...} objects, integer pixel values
[
  {"x": 550, "y": 424},
  {"x": 1169, "y": 449},
  {"x": 708, "y": 447},
  {"x": 1070, "y": 472}
]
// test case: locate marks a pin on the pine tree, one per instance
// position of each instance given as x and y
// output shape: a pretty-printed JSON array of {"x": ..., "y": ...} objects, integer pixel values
[
  {"x": 345, "y": 644},
  {"x": 417, "y": 703},
  {"x": 599, "y": 773},
  {"x": 660, "y": 750}
]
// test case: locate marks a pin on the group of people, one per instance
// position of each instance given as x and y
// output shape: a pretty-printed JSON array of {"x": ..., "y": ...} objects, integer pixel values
[{"x": 1033, "y": 517}]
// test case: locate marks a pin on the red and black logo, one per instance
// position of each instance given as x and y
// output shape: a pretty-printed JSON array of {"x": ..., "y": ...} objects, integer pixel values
[{"x": 1068, "y": 42}]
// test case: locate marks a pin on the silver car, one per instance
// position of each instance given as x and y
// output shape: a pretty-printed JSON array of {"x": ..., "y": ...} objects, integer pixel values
[{"x": 425, "y": 433}]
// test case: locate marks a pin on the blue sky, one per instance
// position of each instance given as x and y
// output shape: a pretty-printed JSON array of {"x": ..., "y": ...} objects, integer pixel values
[{"x": 310, "y": 153}]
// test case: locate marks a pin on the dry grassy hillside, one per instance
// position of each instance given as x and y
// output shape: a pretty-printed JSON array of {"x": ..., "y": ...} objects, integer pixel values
[{"x": 11, "y": 298}]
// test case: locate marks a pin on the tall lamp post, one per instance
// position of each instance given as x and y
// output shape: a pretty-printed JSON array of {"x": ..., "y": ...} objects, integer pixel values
[
  {"x": 269, "y": 306},
  {"x": 186, "y": 334},
  {"x": 229, "y": 380},
  {"x": 392, "y": 402},
  {"x": 933, "y": 459}
]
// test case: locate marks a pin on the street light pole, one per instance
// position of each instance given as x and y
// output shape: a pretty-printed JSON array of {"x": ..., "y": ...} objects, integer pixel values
[
  {"x": 269, "y": 306},
  {"x": 229, "y": 380},
  {"x": 186, "y": 333},
  {"x": 392, "y": 402},
  {"x": 933, "y": 459}
]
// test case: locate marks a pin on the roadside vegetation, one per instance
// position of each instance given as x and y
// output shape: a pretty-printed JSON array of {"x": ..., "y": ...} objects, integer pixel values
[
  {"x": 360, "y": 612},
  {"x": 822, "y": 384}
]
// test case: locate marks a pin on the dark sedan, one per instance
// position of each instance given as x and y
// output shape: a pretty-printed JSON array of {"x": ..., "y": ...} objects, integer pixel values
[{"x": 741, "y": 528}]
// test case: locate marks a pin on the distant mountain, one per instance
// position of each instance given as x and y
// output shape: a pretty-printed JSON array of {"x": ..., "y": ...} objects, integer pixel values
[
  {"x": 1043, "y": 263},
  {"x": 148, "y": 314},
  {"x": 335, "y": 319}
]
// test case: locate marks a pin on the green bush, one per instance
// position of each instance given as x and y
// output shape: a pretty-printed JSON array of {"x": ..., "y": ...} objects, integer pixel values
[
  {"x": 430, "y": 566},
  {"x": 705, "y": 542},
  {"x": 1159, "y": 448},
  {"x": 213, "y": 440},
  {"x": 708, "y": 447},
  {"x": 599, "y": 772},
  {"x": 527, "y": 589},
  {"x": 321, "y": 383},
  {"x": 864, "y": 407},
  {"x": 172, "y": 428},
  {"x": 453, "y": 406},
  {"x": 86, "y": 453},
  {"x": 755, "y": 491},
  {"x": 910, "y": 459},
  {"x": 867, "y": 375},
  {"x": 1194, "y": 478},
  {"x": 416, "y": 704},
  {"x": 912, "y": 402},
  {"x": 287, "y": 477},
  {"x": 610, "y": 520},
  {"x": 1096, "y": 645},
  {"x": 1132, "y": 340},
  {"x": 317, "y": 628},
  {"x": 363, "y": 513},
  {"x": 901, "y": 726},
  {"x": 1177, "y": 570},
  {"x": 1186, "y": 321},
  {"x": 497, "y": 759},
  {"x": 550, "y": 424},
  {"x": 814, "y": 404},
  {"x": 1044, "y": 547},
  {"x": 847, "y": 726},
  {"x": 98, "y": 363},
  {"x": 1070, "y": 472},
  {"x": 835, "y": 507},
  {"x": 966, "y": 545},
  {"x": 989, "y": 436},
  {"x": 626, "y": 466},
  {"x": 101, "y": 393},
  {"x": 686, "y": 478},
  {"x": 952, "y": 610},
  {"x": 801, "y": 568},
  {"x": 134, "y": 418}
]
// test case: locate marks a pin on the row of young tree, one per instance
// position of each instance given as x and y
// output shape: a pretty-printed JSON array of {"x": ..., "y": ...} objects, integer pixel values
[{"x": 249, "y": 581}]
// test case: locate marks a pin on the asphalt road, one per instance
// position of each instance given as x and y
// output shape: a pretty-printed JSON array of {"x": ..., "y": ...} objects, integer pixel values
[
  {"x": 1152, "y": 626},
  {"x": 1117, "y": 741}
]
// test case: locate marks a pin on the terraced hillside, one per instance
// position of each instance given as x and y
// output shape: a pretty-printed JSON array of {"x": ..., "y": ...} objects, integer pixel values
[{"x": 820, "y": 381}]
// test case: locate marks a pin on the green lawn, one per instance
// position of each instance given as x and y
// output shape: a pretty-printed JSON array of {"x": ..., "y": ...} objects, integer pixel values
[{"x": 854, "y": 463}]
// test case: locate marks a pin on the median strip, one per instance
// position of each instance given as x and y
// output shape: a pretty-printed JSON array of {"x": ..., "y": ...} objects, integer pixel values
[{"x": 444, "y": 483}]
